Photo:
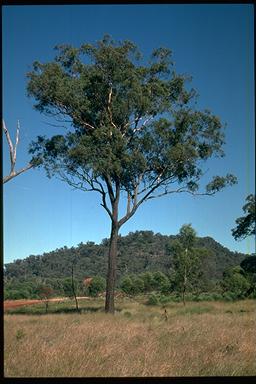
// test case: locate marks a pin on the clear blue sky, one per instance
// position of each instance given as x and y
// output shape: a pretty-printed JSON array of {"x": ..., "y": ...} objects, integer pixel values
[{"x": 213, "y": 43}]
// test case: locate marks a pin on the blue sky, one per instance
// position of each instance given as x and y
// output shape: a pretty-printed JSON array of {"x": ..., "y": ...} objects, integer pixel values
[{"x": 213, "y": 43}]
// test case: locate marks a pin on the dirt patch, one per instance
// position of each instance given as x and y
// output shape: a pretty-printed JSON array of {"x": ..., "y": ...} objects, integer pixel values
[{"x": 19, "y": 303}]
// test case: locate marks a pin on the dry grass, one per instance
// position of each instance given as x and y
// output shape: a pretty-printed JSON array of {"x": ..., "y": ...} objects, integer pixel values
[{"x": 203, "y": 339}]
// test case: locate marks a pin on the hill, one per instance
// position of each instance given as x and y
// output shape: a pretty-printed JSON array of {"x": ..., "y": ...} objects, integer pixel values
[{"x": 139, "y": 251}]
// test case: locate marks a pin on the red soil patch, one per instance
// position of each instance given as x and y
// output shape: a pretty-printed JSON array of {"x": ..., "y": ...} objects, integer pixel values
[{"x": 18, "y": 303}]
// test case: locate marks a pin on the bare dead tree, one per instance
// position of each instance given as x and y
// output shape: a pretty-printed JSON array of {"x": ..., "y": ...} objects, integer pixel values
[{"x": 13, "y": 154}]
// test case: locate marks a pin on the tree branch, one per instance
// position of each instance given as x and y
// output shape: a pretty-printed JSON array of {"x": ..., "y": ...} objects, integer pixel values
[
  {"x": 109, "y": 110},
  {"x": 13, "y": 154},
  {"x": 104, "y": 205},
  {"x": 142, "y": 125},
  {"x": 16, "y": 141},
  {"x": 128, "y": 210},
  {"x": 16, "y": 173},
  {"x": 89, "y": 180},
  {"x": 109, "y": 187},
  {"x": 179, "y": 190},
  {"x": 9, "y": 141}
]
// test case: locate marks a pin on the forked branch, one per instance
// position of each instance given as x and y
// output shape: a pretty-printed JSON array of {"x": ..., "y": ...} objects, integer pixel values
[{"x": 13, "y": 154}]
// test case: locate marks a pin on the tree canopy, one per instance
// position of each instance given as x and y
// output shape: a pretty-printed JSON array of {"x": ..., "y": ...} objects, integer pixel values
[
  {"x": 187, "y": 259},
  {"x": 133, "y": 130},
  {"x": 133, "y": 125},
  {"x": 246, "y": 224}
]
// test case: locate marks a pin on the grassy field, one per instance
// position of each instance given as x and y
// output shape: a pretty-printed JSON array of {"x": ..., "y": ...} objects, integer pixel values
[{"x": 200, "y": 339}]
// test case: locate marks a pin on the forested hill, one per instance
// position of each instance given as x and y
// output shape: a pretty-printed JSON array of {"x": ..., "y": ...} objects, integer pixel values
[{"x": 139, "y": 251}]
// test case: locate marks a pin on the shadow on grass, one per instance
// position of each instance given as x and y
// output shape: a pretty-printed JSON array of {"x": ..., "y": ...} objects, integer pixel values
[{"x": 57, "y": 311}]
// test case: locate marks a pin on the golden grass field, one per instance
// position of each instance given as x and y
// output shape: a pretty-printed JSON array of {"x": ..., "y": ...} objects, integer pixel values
[{"x": 200, "y": 339}]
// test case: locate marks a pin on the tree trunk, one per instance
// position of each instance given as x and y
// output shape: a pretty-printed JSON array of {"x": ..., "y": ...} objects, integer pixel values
[
  {"x": 73, "y": 287},
  {"x": 184, "y": 286},
  {"x": 111, "y": 276}
]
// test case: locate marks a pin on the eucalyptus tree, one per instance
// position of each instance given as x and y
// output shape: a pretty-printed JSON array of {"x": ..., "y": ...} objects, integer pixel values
[
  {"x": 186, "y": 259},
  {"x": 246, "y": 224},
  {"x": 132, "y": 131}
]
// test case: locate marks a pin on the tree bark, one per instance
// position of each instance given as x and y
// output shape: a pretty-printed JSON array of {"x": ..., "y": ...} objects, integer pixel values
[
  {"x": 184, "y": 285},
  {"x": 73, "y": 287},
  {"x": 111, "y": 276}
]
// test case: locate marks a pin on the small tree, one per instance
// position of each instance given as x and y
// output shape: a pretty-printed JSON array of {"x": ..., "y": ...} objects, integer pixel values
[
  {"x": 13, "y": 154},
  {"x": 186, "y": 259},
  {"x": 97, "y": 285},
  {"x": 134, "y": 131},
  {"x": 70, "y": 286},
  {"x": 74, "y": 288},
  {"x": 246, "y": 224},
  {"x": 45, "y": 293}
]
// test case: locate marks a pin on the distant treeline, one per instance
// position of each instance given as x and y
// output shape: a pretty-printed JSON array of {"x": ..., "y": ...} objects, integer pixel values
[
  {"x": 235, "y": 284},
  {"x": 139, "y": 252},
  {"x": 145, "y": 264}
]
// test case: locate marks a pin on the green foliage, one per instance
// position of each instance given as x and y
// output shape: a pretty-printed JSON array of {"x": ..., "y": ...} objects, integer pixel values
[
  {"x": 152, "y": 300},
  {"x": 148, "y": 280},
  {"x": 98, "y": 285},
  {"x": 133, "y": 128},
  {"x": 141, "y": 253},
  {"x": 132, "y": 125},
  {"x": 249, "y": 264},
  {"x": 163, "y": 299},
  {"x": 161, "y": 282},
  {"x": 229, "y": 296},
  {"x": 187, "y": 261},
  {"x": 45, "y": 292},
  {"x": 132, "y": 285},
  {"x": 145, "y": 282},
  {"x": 246, "y": 224},
  {"x": 187, "y": 236},
  {"x": 235, "y": 281},
  {"x": 68, "y": 288},
  {"x": 127, "y": 285},
  {"x": 20, "y": 334},
  {"x": 16, "y": 294}
]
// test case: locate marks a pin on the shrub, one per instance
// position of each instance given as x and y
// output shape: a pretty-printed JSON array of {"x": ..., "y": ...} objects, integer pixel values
[
  {"x": 152, "y": 300},
  {"x": 229, "y": 296},
  {"x": 20, "y": 334},
  {"x": 98, "y": 285},
  {"x": 235, "y": 281},
  {"x": 217, "y": 296},
  {"x": 126, "y": 285},
  {"x": 15, "y": 294},
  {"x": 67, "y": 286},
  {"x": 148, "y": 280},
  {"x": 164, "y": 299},
  {"x": 127, "y": 314},
  {"x": 132, "y": 285},
  {"x": 160, "y": 280}
]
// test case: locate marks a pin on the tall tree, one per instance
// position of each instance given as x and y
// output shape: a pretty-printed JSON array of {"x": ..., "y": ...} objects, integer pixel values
[
  {"x": 13, "y": 154},
  {"x": 134, "y": 132},
  {"x": 186, "y": 259},
  {"x": 246, "y": 224}
]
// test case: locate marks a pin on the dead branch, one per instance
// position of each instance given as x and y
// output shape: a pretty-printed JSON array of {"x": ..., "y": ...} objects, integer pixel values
[{"x": 13, "y": 154}]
